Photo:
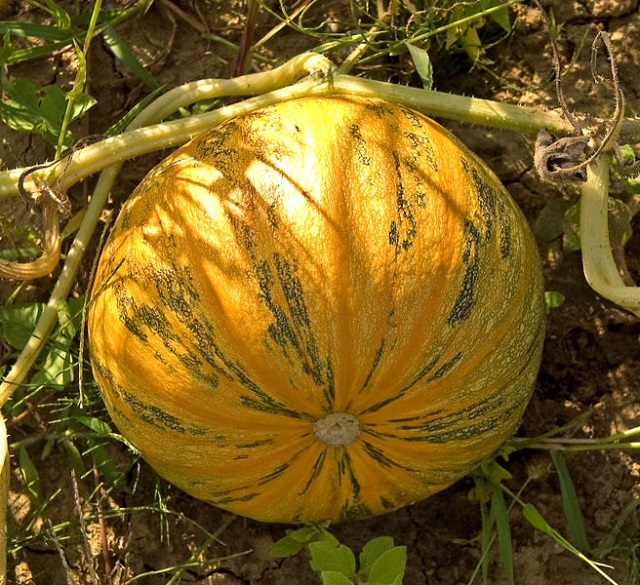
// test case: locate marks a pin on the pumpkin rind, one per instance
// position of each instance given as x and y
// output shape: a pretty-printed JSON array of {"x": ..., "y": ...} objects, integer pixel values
[{"x": 319, "y": 256}]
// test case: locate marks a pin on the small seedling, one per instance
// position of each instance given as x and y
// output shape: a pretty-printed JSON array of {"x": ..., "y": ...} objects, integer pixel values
[{"x": 379, "y": 563}]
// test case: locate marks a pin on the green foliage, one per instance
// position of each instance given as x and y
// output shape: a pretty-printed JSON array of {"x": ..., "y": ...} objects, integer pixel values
[
  {"x": 623, "y": 542},
  {"x": 444, "y": 27},
  {"x": 561, "y": 218},
  {"x": 55, "y": 368},
  {"x": 379, "y": 563},
  {"x": 28, "y": 107},
  {"x": 575, "y": 523},
  {"x": 552, "y": 300},
  {"x": 48, "y": 110},
  {"x": 491, "y": 492}
]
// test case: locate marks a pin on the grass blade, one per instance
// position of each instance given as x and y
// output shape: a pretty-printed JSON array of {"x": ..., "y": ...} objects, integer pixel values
[
  {"x": 122, "y": 52},
  {"x": 501, "y": 516},
  {"x": 573, "y": 514}
]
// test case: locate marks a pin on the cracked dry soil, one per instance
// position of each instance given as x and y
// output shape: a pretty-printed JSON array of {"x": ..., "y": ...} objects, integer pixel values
[{"x": 590, "y": 375}]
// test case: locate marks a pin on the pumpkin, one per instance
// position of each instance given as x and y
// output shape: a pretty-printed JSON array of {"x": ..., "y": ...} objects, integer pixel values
[{"x": 320, "y": 311}]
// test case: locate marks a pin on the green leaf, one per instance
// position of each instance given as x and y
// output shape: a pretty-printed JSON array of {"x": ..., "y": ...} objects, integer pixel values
[
  {"x": 371, "y": 552},
  {"x": 295, "y": 540},
  {"x": 619, "y": 218},
  {"x": 552, "y": 300},
  {"x": 619, "y": 222},
  {"x": 501, "y": 16},
  {"x": 533, "y": 516},
  {"x": 70, "y": 316},
  {"x": 123, "y": 53},
  {"x": 494, "y": 472},
  {"x": 570, "y": 504},
  {"x": 31, "y": 108},
  {"x": 632, "y": 185},
  {"x": 57, "y": 370},
  {"x": 100, "y": 427},
  {"x": 74, "y": 456},
  {"x": 121, "y": 125},
  {"x": 44, "y": 32},
  {"x": 17, "y": 322},
  {"x": 471, "y": 43},
  {"x": 105, "y": 464},
  {"x": 423, "y": 65},
  {"x": 29, "y": 473},
  {"x": 325, "y": 536},
  {"x": 48, "y": 447},
  {"x": 61, "y": 16},
  {"x": 551, "y": 221},
  {"x": 326, "y": 556},
  {"x": 571, "y": 238},
  {"x": 334, "y": 578},
  {"x": 501, "y": 516},
  {"x": 389, "y": 568},
  {"x": 285, "y": 547}
]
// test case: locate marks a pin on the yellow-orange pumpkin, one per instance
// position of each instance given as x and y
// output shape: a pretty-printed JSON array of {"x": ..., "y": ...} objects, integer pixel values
[{"x": 323, "y": 310}]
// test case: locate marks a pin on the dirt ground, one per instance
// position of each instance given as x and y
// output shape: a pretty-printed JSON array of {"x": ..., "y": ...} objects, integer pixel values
[{"x": 590, "y": 374}]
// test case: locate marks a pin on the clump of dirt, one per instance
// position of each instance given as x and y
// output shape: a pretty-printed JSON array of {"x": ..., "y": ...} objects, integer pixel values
[{"x": 588, "y": 382}]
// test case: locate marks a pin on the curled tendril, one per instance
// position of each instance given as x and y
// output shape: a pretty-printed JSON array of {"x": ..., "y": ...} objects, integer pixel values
[
  {"x": 565, "y": 157},
  {"x": 47, "y": 202}
]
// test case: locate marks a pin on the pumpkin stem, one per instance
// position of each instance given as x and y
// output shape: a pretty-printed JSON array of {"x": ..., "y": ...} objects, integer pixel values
[{"x": 338, "y": 429}]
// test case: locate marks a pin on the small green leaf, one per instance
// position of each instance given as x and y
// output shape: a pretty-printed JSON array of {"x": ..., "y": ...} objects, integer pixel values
[
  {"x": 75, "y": 459},
  {"x": 389, "y": 568},
  {"x": 423, "y": 65},
  {"x": 57, "y": 370},
  {"x": 326, "y": 556},
  {"x": 501, "y": 15},
  {"x": 334, "y": 578},
  {"x": 371, "y": 552},
  {"x": 285, "y": 547},
  {"x": 18, "y": 321},
  {"x": 494, "y": 472},
  {"x": 295, "y": 540},
  {"x": 551, "y": 221},
  {"x": 29, "y": 473},
  {"x": 533, "y": 516},
  {"x": 46, "y": 450},
  {"x": 325, "y": 536},
  {"x": 632, "y": 185},
  {"x": 471, "y": 43},
  {"x": 100, "y": 427},
  {"x": 552, "y": 300}
]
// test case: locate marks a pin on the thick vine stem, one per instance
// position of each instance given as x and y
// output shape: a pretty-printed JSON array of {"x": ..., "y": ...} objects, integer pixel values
[
  {"x": 598, "y": 264},
  {"x": 4, "y": 499},
  {"x": 142, "y": 140}
]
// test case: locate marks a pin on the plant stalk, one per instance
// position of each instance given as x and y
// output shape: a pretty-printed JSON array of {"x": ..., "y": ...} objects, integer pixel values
[
  {"x": 599, "y": 267},
  {"x": 137, "y": 141}
]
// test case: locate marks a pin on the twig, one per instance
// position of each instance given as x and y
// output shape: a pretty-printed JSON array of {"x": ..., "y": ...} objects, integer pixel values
[
  {"x": 558, "y": 71},
  {"x": 103, "y": 528},
  {"x": 83, "y": 529}
]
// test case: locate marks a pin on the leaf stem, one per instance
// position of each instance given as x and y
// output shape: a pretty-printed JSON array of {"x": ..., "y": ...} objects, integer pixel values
[{"x": 598, "y": 264}]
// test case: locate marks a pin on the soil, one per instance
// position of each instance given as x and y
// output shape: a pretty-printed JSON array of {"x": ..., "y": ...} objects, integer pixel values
[{"x": 589, "y": 379}]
